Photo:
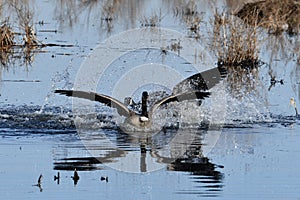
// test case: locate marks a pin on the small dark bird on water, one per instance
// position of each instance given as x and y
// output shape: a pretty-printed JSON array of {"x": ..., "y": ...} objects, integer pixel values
[
  {"x": 104, "y": 178},
  {"x": 75, "y": 177}
]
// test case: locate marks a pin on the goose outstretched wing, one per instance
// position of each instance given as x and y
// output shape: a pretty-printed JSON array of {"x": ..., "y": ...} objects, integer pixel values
[
  {"x": 107, "y": 100},
  {"x": 202, "y": 81},
  {"x": 180, "y": 97}
]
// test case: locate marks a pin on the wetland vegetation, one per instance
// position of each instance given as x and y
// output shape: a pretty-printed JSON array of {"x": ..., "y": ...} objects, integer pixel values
[{"x": 42, "y": 47}]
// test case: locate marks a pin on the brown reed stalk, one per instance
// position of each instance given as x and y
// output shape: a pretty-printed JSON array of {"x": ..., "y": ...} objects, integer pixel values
[
  {"x": 234, "y": 42},
  {"x": 6, "y": 35}
]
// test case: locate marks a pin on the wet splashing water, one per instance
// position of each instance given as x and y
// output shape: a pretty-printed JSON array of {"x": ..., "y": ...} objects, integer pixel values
[{"x": 238, "y": 144}]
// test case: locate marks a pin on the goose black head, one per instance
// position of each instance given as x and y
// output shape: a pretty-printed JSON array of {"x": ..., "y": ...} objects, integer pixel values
[{"x": 145, "y": 95}]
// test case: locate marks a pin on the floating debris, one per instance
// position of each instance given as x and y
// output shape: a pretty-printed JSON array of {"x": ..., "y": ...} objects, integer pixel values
[
  {"x": 163, "y": 51},
  {"x": 39, "y": 183},
  {"x": 104, "y": 178},
  {"x": 22, "y": 81},
  {"x": 48, "y": 31},
  {"x": 57, "y": 178},
  {"x": 40, "y": 180},
  {"x": 274, "y": 81},
  {"x": 174, "y": 46}
]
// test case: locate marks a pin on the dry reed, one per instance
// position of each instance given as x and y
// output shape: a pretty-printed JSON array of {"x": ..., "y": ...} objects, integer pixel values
[
  {"x": 235, "y": 42},
  {"x": 6, "y": 35},
  {"x": 151, "y": 21},
  {"x": 188, "y": 13}
]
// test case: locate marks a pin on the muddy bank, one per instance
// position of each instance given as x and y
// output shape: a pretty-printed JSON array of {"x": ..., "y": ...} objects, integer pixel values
[
  {"x": 273, "y": 15},
  {"x": 236, "y": 5}
]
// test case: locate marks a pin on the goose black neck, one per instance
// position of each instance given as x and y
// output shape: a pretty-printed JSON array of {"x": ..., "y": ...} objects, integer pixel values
[{"x": 144, "y": 104}]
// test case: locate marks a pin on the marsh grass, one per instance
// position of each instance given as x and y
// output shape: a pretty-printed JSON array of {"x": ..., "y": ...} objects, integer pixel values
[
  {"x": 108, "y": 15},
  {"x": 236, "y": 46},
  {"x": 277, "y": 16},
  {"x": 6, "y": 56},
  {"x": 235, "y": 42},
  {"x": 25, "y": 18},
  {"x": 19, "y": 43},
  {"x": 151, "y": 21},
  {"x": 6, "y": 35},
  {"x": 7, "y": 41},
  {"x": 190, "y": 16}
]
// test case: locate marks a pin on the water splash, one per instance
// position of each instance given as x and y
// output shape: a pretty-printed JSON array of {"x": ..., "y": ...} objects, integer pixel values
[
  {"x": 249, "y": 111},
  {"x": 58, "y": 78}
]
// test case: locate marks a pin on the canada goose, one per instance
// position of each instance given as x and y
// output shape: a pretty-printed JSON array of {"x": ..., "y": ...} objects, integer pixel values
[
  {"x": 193, "y": 87},
  {"x": 133, "y": 118}
]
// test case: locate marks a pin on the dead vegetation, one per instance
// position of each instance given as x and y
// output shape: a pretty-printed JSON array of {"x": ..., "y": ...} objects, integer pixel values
[
  {"x": 190, "y": 16},
  {"x": 6, "y": 35},
  {"x": 236, "y": 46},
  {"x": 15, "y": 45},
  {"x": 19, "y": 43},
  {"x": 235, "y": 42},
  {"x": 277, "y": 16},
  {"x": 26, "y": 23},
  {"x": 25, "y": 20},
  {"x": 151, "y": 21},
  {"x": 7, "y": 41}
]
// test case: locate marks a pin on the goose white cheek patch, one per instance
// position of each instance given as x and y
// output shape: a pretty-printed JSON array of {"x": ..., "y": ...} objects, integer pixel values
[{"x": 144, "y": 119}]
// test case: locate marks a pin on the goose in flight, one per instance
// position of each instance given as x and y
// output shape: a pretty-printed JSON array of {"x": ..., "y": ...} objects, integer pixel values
[
  {"x": 139, "y": 120},
  {"x": 198, "y": 85}
]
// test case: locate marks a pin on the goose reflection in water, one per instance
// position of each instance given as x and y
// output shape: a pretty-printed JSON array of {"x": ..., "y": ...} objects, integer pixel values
[
  {"x": 205, "y": 174},
  {"x": 194, "y": 87}
]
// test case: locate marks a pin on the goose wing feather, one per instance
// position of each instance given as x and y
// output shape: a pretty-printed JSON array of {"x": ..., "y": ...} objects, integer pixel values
[
  {"x": 107, "y": 100},
  {"x": 180, "y": 97},
  {"x": 202, "y": 81}
]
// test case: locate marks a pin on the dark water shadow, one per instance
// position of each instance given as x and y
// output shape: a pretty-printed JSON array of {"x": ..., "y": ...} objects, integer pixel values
[{"x": 205, "y": 176}]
